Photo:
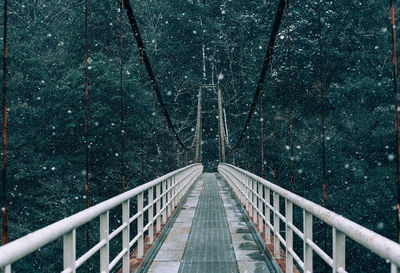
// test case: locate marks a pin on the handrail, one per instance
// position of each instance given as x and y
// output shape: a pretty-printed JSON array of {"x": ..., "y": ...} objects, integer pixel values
[
  {"x": 178, "y": 182},
  {"x": 249, "y": 189}
]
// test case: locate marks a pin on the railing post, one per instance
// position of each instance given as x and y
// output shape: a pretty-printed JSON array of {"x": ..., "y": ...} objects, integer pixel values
[
  {"x": 125, "y": 237},
  {"x": 69, "y": 242},
  {"x": 240, "y": 187},
  {"x": 181, "y": 187},
  {"x": 140, "y": 226},
  {"x": 174, "y": 191},
  {"x": 169, "y": 183},
  {"x": 339, "y": 250},
  {"x": 267, "y": 198},
  {"x": 158, "y": 208},
  {"x": 178, "y": 188},
  {"x": 249, "y": 203},
  {"x": 104, "y": 251},
  {"x": 151, "y": 214},
  {"x": 289, "y": 235},
  {"x": 243, "y": 180},
  {"x": 394, "y": 268},
  {"x": 164, "y": 203},
  {"x": 255, "y": 199},
  {"x": 277, "y": 248},
  {"x": 308, "y": 235},
  {"x": 260, "y": 207}
]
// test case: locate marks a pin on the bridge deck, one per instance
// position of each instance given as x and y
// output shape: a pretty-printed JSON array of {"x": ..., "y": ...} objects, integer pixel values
[{"x": 210, "y": 234}]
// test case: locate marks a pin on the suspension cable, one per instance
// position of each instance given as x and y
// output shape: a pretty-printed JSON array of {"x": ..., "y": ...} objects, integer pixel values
[
  {"x": 121, "y": 91},
  {"x": 152, "y": 77},
  {"x": 86, "y": 130},
  {"x": 290, "y": 94},
  {"x": 270, "y": 48},
  {"x": 396, "y": 90},
  {"x": 4, "y": 217}
]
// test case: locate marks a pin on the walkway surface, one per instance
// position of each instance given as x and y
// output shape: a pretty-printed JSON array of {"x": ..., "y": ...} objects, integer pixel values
[{"x": 210, "y": 235}]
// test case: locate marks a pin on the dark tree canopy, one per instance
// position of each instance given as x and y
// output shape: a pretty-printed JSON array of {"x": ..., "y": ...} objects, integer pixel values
[{"x": 46, "y": 103}]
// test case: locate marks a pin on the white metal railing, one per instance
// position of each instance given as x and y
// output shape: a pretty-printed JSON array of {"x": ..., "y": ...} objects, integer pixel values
[
  {"x": 255, "y": 193},
  {"x": 169, "y": 190}
]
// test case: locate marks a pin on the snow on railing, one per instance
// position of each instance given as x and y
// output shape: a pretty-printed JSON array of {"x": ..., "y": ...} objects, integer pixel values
[{"x": 168, "y": 190}]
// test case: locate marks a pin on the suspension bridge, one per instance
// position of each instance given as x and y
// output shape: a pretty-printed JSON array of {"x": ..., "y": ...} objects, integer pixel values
[{"x": 192, "y": 220}]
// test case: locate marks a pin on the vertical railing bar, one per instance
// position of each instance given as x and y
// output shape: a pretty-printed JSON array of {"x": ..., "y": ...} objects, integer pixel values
[
  {"x": 339, "y": 250},
  {"x": 169, "y": 196},
  {"x": 69, "y": 250},
  {"x": 250, "y": 205},
  {"x": 180, "y": 188},
  {"x": 164, "y": 203},
  {"x": 140, "y": 226},
  {"x": 260, "y": 207},
  {"x": 267, "y": 198},
  {"x": 7, "y": 269},
  {"x": 174, "y": 191},
  {"x": 277, "y": 252},
  {"x": 254, "y": 197},
  {"x": 158, "y": 208},
  {"x": 308, "y": 234},
  {"x": 289, "y": 235},
  {"x": 244, "y": 188},
  {"x": 394, "y": 268},
  {"x": 104, "y": 251},
  {"x": 125, "y": 237},
  {"x": 151, "y": 214}
]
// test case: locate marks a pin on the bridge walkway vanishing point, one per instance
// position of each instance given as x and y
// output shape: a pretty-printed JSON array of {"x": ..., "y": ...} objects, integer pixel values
[{"x": 210, "y": 234}]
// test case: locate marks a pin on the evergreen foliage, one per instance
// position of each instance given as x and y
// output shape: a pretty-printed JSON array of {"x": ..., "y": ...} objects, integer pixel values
[{"x": 46, "y": 103}]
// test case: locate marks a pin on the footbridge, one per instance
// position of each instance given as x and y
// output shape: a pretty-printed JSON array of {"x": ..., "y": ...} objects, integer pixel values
[
  {"x": 190, "y": 221},
  {"x": 202, "y": 214}
]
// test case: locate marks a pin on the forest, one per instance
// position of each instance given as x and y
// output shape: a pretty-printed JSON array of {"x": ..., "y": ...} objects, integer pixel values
[{"x": 46, "y": 104}]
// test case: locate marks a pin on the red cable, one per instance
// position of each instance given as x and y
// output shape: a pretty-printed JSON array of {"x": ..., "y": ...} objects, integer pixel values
[
  {"x": 121, "y": 90},
  {"x": 4, "y": 221},
  {"x": 396, "y": 90},
  {"x": 323, "y": 106},
  {"x": 86, "y": 129},
  {"x": 273, "y": 121},
  {"x": 290, "y": 97},
  {"x": 323, "y": 128}
]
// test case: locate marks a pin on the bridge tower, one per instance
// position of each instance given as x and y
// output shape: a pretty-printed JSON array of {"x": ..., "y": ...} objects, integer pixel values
[{"x": 209, "y": 127}]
